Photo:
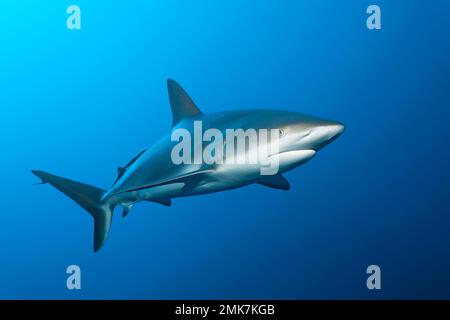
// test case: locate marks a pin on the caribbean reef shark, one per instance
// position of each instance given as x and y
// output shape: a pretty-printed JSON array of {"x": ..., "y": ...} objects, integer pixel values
[{"x": 152, "y": 175}]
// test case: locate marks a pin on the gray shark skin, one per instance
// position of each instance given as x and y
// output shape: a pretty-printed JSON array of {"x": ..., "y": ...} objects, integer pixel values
[{"x": 152, "y": 175}]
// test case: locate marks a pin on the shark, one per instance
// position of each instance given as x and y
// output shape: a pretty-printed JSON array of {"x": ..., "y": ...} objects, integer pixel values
[{"x": 151, "y": 175}]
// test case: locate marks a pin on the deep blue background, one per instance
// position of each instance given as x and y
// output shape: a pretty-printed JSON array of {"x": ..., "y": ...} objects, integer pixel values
[{"x": 81, "y": 103}]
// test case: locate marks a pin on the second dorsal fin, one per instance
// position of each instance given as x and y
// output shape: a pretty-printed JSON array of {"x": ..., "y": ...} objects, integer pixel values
[{"x": 181, "y": 104}]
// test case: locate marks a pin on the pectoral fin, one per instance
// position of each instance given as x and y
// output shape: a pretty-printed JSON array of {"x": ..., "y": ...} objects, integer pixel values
[{"x": 276, "y": 181}]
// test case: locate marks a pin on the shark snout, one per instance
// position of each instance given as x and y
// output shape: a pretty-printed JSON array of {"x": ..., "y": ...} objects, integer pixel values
[
  {"x": 326, "y": 133},
  {"x": 334, "y": 130}
]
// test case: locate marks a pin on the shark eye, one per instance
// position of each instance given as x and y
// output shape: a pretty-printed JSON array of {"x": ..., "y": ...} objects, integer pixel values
[{"x": 281, "y": 132}]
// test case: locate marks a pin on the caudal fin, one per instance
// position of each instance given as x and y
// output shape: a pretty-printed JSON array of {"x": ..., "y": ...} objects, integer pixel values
[{"x": 89, "y": 198}]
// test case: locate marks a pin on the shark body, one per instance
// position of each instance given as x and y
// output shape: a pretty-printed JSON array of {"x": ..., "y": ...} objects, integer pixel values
[{"x": 151, "y": 175}]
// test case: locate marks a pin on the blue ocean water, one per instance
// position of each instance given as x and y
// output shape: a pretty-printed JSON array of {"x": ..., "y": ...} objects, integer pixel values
[{"x": 79, "y": 103}]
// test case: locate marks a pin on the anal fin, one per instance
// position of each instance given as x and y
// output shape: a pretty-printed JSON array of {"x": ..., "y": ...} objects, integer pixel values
[
  {"x": 164, "y": 201},
  {"x": 126, "y": 209}
]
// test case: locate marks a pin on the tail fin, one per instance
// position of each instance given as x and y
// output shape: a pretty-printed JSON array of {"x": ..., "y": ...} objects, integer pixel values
[{"x": 89, "y": 198}]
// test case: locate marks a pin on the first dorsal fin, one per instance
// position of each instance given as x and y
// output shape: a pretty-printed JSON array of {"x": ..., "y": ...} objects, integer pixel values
[{"x": 180, "y": 102}]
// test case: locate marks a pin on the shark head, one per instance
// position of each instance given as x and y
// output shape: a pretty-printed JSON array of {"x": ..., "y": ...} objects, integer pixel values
[
  {"x": 301, "y": 136},
  {"x": 303, "y": 132}
]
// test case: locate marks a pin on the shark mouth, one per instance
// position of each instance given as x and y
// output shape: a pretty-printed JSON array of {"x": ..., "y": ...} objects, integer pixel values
[
  {"x": 295, "y": 153},
  {"x": 293, "y": 156}
]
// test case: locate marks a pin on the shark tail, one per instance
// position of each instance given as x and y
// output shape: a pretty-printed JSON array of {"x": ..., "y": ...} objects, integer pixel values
[{"x": 89, "y": 198}]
